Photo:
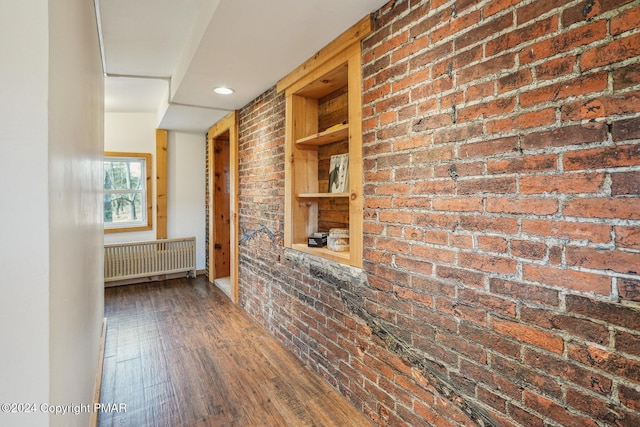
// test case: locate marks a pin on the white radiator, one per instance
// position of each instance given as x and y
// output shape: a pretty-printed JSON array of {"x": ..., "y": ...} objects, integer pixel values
[{"x": 153, "y": 258}]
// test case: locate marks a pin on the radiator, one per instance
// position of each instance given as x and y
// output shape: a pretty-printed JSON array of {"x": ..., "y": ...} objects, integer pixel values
[{"x": 153, "y": 258}]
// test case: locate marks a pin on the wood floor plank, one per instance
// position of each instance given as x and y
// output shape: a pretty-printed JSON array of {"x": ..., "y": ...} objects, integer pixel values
[{"x": 179, "y": 353}]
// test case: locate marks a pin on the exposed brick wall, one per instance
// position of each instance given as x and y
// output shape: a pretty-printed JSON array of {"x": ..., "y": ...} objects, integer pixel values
[{"x": 502, "y": 220}]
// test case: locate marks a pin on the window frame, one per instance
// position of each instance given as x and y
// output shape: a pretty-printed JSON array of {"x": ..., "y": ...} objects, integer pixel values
[{"x": 148, "y": 190}]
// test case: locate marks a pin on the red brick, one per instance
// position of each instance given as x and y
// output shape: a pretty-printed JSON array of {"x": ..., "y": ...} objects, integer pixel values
[
  {"x": 596, "y": 233},
  {"x": 489, "y": 264},
  {"x": 569, "y": 279},
  {"x": 493, "y": 26},
  {"x": 500, "y": 185},
  {"x": 605, "y": 360},
  {"x": 391, "y": 43},
  {"x": 411, "y": 295},
  {"x": 485, "y": 223},
  {"x": 375, "y": 94},
  {"x": 437, "y": 220},
  {"x": 568, "y": 371},
  {"x": 555, "y": 68},
  {"x": 392, "y": 189},
  {"x": 524, "y": 292},
  {"x": 478, "y": 91},
  {"x": 536, "y": 9},
  {"x": 520, "y": 206},
  {"x": 490, "y": 339},
  {"x": 437, "y": 255},
  {"x": 492, "y": 66},
  {"x": 610, "y": 312},
  {"x": 413, "y": 265},
  {"x": 623, "y": 130},
  {"x": 458, "y": 204},
  {"x": 526, "y": 376},
  {"x": 616, "y": 156},
  {"x": 528, "y": 249},
  {"x": 392, "y": 245},
  {"x": 524, "y": 417},
  {"x": 628, "y": 343},
  {"x": 602, "y": 106},
  {"x": 630, "y": 397},
  {"x": 629, "y": 289},
  {"x": 395, "y": 217},
  {"x": 461, "y": 311},
  {"x": 582, "y": 11},
  {"x": 434, "y": 187},
  {"x": 471, "y": 278},
  {"x": 430, "y": 88},
  {"x": 413, "y": 202},
  {"x": 576, "y": 327},
  {"x": 447, "y": 66},
  {"x": 492, "y": 244},
  {"x": 625, "y": 183},
  {"x": 536, "y": 118},
  {"x": 460, "y": 133},
  {"x": 522, "y": 35},
  {"x": 565, "y": 41},
  {"x": 566, "y": 183},
  {"x": 625, "y": 77},
  {"x": 499, "y": 106},
  {"x": 436, "y": 237},
  {"x": 528, "y": 334},
  {"x": 567, "y": 135},
  {"x": 537, "y": 163},
  {"x": 600, "y": 409},
  {"x": 605, "y": 259},
  {"x": 487, "y": 301},
  {"x": 488, "y": 148},
  {"x": 627, "y": 208},
  {"x": 455, "y": 25},
  {"x": 463, "y": 169},
  {"x": 555, "y": 411},
  {"x": 616, "y": 51},
  {"x": 496, "y": 6},
  {"x": 514, "y": 80},
  {"x": 583, "y": 85},
  {"x": 459, "y": 240},
  {"x": 433, "y": 154}
]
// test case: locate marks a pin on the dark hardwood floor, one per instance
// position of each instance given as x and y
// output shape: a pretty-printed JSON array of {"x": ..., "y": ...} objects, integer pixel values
[{"x": 179, "y": 353}]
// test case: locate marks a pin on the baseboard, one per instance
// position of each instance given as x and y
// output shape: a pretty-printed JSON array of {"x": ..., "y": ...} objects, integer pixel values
[
  {"x": 98, "y": 382},
  {"x": 156, "y": 278}
]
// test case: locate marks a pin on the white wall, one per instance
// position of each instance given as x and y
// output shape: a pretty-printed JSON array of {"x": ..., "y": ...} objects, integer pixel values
[
  {"x": 76, "y": 115},
  {"x": 186, "y": 160},
  {"x": 50, "y": 250},
  {"x": 24, "y": 245},
  {"x": 186, "y": 187}
]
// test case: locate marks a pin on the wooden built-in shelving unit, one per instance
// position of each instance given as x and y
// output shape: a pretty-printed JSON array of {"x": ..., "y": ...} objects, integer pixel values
[{"x": 324, "y": 118}]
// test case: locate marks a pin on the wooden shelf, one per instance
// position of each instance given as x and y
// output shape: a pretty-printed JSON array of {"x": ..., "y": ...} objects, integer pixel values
[
  {"x": 320, "y": 195},
  {"x": 323, "y": 252},
  {"x": 329, "y": 136}
]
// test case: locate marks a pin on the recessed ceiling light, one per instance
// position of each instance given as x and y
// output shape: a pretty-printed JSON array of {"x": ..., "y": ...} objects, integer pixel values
[{"x": 223, "y": 90}]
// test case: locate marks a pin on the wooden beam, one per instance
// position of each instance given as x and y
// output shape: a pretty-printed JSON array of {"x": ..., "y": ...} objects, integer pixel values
[
  {"x": 353, "y": 35},
  {"x": 161, "y": 183}
]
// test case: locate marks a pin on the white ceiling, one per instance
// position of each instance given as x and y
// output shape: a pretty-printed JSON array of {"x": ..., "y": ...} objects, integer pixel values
[{"x": 166, "y": 56}]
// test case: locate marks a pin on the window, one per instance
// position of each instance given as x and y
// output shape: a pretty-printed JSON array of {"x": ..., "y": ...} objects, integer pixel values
[{"x": 127, "y": 203}]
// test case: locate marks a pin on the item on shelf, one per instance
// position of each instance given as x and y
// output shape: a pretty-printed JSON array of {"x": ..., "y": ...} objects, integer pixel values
[
  {"x": 338, "y": 240},
  {"x": 339, "y": 173},
  {"x": 318, "y": 240}
]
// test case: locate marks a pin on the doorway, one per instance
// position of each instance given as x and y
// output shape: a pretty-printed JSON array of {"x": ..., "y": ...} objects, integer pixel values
[{"x": 222, "y": 200}]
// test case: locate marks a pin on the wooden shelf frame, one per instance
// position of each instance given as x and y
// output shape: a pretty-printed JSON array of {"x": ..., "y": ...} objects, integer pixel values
[{"x": 338, "y": 66}]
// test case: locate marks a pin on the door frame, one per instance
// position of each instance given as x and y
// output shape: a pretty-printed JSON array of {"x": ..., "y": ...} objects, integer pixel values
[{"x": 227, "y": 124}]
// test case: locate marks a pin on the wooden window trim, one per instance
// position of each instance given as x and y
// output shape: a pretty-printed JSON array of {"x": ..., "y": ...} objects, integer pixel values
[{"x": 149, "y": 190}]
